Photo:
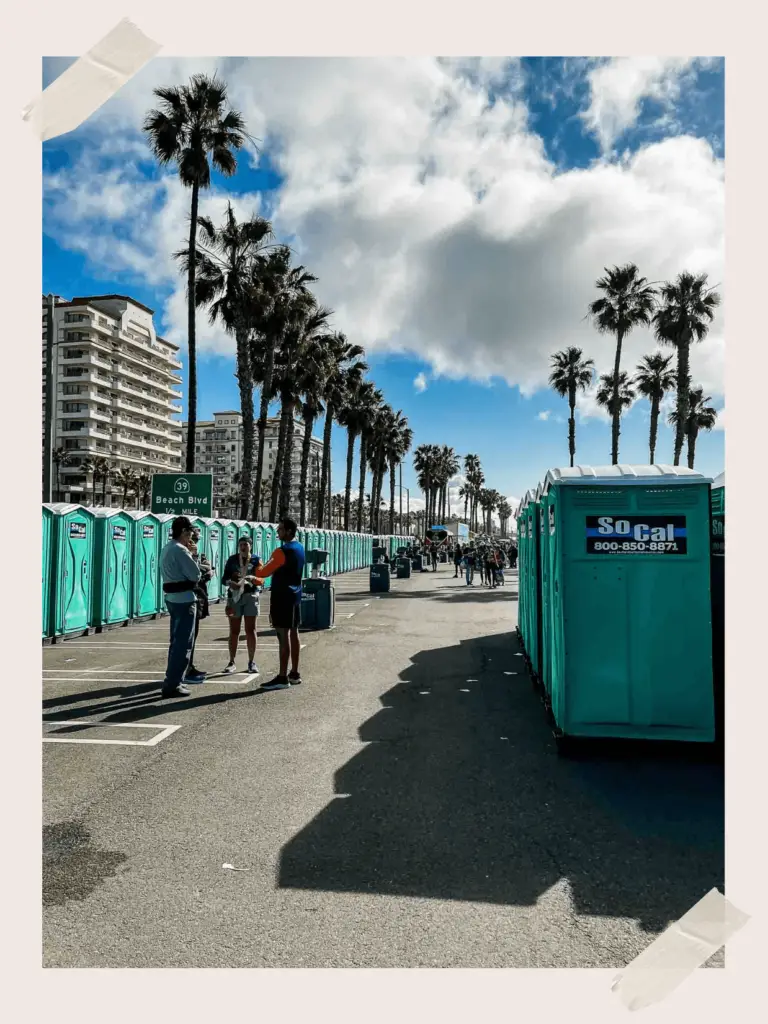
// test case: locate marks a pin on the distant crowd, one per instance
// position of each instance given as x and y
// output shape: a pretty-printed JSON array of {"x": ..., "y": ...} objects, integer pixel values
[{"x": 482, "y": 558}]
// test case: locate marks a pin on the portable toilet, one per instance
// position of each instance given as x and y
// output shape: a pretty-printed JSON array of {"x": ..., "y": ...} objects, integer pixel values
[
  {"x": 271, "y": 541},
  {"x": 259, "y": 544},
  {"x": 545, "y": 510},
  {"x": 112, "y": 584},
  {"x": 717, "y": 568},
  {"x": 229, "y": 538},
  {"x": 631, "y": 616},
  {"x": 145, "y": 569},
  {"x": 522, "y": 563},
  {"x": 213, "y": 546},
  {"x": 244, "y": 529},
  {"x": 47, "y": 565},
  {"x": 71, "y": 569}
]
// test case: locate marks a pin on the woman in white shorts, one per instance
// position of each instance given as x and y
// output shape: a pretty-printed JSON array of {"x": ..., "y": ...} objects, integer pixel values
[{"x": 242, "y": 602}]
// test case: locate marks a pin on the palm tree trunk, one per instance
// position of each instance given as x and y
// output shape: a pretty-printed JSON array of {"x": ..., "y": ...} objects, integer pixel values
[
  {"x": 324, "y": 472},
  {"x": 277, "y": 475},
  {"x": 261, "y": 426},
  {"x": 286, "y": 479},
  {"x": 400, "y": 467},
  {"x": 692, "y": 435},
  {"x": 305, "y": 449},
  {"x": 363, "y": 456},
  {"x": 245, "y": 386},
  {"x": 392, "y": 470},
  {"x": 572, "y": 422},
  {"x": 655, "y": 402},
  {"x": 348, "y": 485},
  {"x": 615, "y": 404},
  {"x": 683, "y": 385},
  {"x": 104, "y": 489},
  {"x": 191, "y": 336}
]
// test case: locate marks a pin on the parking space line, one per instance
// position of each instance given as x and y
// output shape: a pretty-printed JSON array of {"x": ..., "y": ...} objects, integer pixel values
[{"x": 166, "y": 731}]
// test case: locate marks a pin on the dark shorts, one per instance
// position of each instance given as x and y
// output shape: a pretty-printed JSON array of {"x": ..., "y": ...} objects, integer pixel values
[{"x": 284, "y": 613}]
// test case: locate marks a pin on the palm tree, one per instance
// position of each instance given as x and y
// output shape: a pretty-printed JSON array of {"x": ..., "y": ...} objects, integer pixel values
[
  {"x": 686, "y": 310},
  {"x": 86, "y": 468},
  {"x": 628, "y": 301},
  {"x": 61, "y": 457},
  {"x": 302, "y": 345},
  {"x": 653, "y": 379},
  {"x": 311, "y": 377},
  {"x": 570, "y": 374},
  {"x": 465, "y": 492},
  {"x": 143, "y": 488},
  {"x": 399, "y": 440},
  {"x": 353, "y": 415},
  {"x": 505, "y": 511},
  {"x": 475, "y": 481},
  {"x": 368, "y": 421},
  {"x": 606, "y": 395},
  {"x": 226, "y": 258},
  {"x": 345, "y": 372},
  {"x": 101, "y": 471},
  {"x": 700, "y": 417},
  {"x": 284, "y": 298},
  {"x": 194, "y": 128},
  {"x": 426, "y": 464},
  {"x": 125, "y": 479}
]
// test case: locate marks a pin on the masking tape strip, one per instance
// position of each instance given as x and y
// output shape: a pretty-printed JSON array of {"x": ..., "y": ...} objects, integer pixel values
[
  {"x": 678, "y": 951},
  {"x": 88, "y": 83}
]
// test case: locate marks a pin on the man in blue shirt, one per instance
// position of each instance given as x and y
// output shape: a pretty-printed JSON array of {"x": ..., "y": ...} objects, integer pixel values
[
  {"x": 286, "y": 567},
  {"x": 180, "y": 575}
]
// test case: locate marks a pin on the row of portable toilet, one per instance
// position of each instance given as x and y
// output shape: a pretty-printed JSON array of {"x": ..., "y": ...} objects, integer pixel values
[
  {"x": 100, "y": 566},
  {"x": 616, "y": 601}
]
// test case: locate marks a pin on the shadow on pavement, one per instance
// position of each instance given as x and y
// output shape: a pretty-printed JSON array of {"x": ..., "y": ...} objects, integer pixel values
[{"x": 461, "y": 795}]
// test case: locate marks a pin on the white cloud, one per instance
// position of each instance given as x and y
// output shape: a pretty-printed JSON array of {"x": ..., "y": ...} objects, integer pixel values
[
  {"x": 618, "y": 87},
  {"x": 431, "y": 215},
  {"x": 544, "y": 414},
  {"x": 420, "y": 382}
]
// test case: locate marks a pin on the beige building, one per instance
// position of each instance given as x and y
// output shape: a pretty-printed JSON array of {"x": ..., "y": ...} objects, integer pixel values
[
  {"x": 219, "y": 451},
  {"x": 116, "y": 394}
]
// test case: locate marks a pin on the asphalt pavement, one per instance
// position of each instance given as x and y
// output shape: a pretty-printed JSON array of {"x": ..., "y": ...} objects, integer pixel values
[{"x": 404, "y": 807}]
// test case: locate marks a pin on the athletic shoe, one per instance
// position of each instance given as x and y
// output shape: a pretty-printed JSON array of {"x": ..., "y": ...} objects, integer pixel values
[
  {"x": 231, "y": 667},
  {"x": 278, "y": 683},
  {"x": 194, "y": 675},
  {"x": 178, "y": 691},
  {"x": 253, "y": 668},
  {"x": 294, "y": 678}
]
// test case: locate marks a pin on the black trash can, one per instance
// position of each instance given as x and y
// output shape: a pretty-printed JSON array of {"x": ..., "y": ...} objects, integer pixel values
[
  {"x": 379, "y": 578},
  {"x": 403, "y": 568}
]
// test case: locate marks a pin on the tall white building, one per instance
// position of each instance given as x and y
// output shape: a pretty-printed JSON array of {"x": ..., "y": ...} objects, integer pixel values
[
  {"x": 219, "y": 451},
  {"x": 116, "y": 393}
]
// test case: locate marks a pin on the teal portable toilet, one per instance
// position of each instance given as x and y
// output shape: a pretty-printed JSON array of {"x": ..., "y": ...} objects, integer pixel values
[
  {"x": 145, "y": 569},
  {"x": 545, "y": 507},
  {"x": 47, "y": 565},
  {"x": 229, "y": 538},
  {"x": 213, "y": 545},
  {"x": 271, "y": 541},
  {"x": 523, "y": 569},
  {"x": 631, "y": 615},
  {"x": 534, "y": 585},
  {"x": 112, "y": 583},
  {"x": 243, "y": 528},
  {"x": 717, "y": 569},
  {"x": 258, "y": 541},
  {"x": 71, "y": 569},
  {"x": 165, "y": 519}
]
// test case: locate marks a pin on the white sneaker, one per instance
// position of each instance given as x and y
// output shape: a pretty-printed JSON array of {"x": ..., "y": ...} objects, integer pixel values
[
  {"x": 230, "y": 669},
  {"x": 253, "y": 668}
]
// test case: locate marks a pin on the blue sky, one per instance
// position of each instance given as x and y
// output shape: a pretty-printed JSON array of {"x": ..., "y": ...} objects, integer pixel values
[{"x": 456, "y": 212}]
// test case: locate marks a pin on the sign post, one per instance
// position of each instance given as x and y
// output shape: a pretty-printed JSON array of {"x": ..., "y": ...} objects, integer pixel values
[{"x": 182, "y": 494}]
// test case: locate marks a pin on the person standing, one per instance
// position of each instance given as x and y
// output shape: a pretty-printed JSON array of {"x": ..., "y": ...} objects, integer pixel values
[
  {"x": 433, "y": 556},
  {"x": 242, "y": 602},
  {"x": 194, "y": 675},
  {"x": 469, "y": 564},
  {"x": 457, "y": 557},
  {"x": 286, "y": 567},
  {"x": 180, "y": 576}
]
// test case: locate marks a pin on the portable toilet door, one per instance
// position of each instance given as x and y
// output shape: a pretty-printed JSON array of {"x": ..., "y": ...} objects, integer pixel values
[
  {"x": 632, "y": 603},
  {"x": 522, "y": 570},
  {"x": 258, "y": 541},
  {"x": 144, "y": 589},
  {"x": 717, "y": 570},
  {"x": 71, "y": 588},
  {"x": 534, "y": 584},
  {"x": 165, "y": 521},
  {"x": 545, "y": 573},
  {"x": 229, "y": 540},
  {"x": 47, "y": 567},
  {"x": 271, "y": 541},
  {"x": 213, "y": 554},
  {"x": 111, "y": 586}
]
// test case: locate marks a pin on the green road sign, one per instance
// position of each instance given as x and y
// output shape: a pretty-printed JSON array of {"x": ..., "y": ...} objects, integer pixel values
[{"x": 182, "y": 494}]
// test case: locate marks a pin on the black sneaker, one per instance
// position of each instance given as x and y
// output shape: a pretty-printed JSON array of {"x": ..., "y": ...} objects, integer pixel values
[
  {"x": 278, "y": 683},
  {"x": 178, "y": 691},
  {"x": 294, "y": 678}
]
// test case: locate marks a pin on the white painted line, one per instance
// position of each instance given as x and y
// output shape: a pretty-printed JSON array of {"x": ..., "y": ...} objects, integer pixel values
[
  {"x": 165, "y": 732},
  {"x": 471, "y": 680},
  {"x": 164, "y": 647},
  {"x": 350, "y": 615},
  {"x": 465, "y": 691},
  {"x": 229, "y": 680},
  {"x": 510, "y": 673},
  {"x": 367, "y": 604},
  {"x": 155, "y": 677}
]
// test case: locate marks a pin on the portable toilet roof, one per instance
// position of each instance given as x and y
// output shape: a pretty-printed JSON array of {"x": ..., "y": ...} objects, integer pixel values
[
  {"x": 137, "y": 513},
  {"x": 623, "y": 476},
  {"x": 102, "y": 512},
  {"x": 719, "y": 481},
  {"x": 62, "y": 507},
  {"x": 539, "y": 491}
]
